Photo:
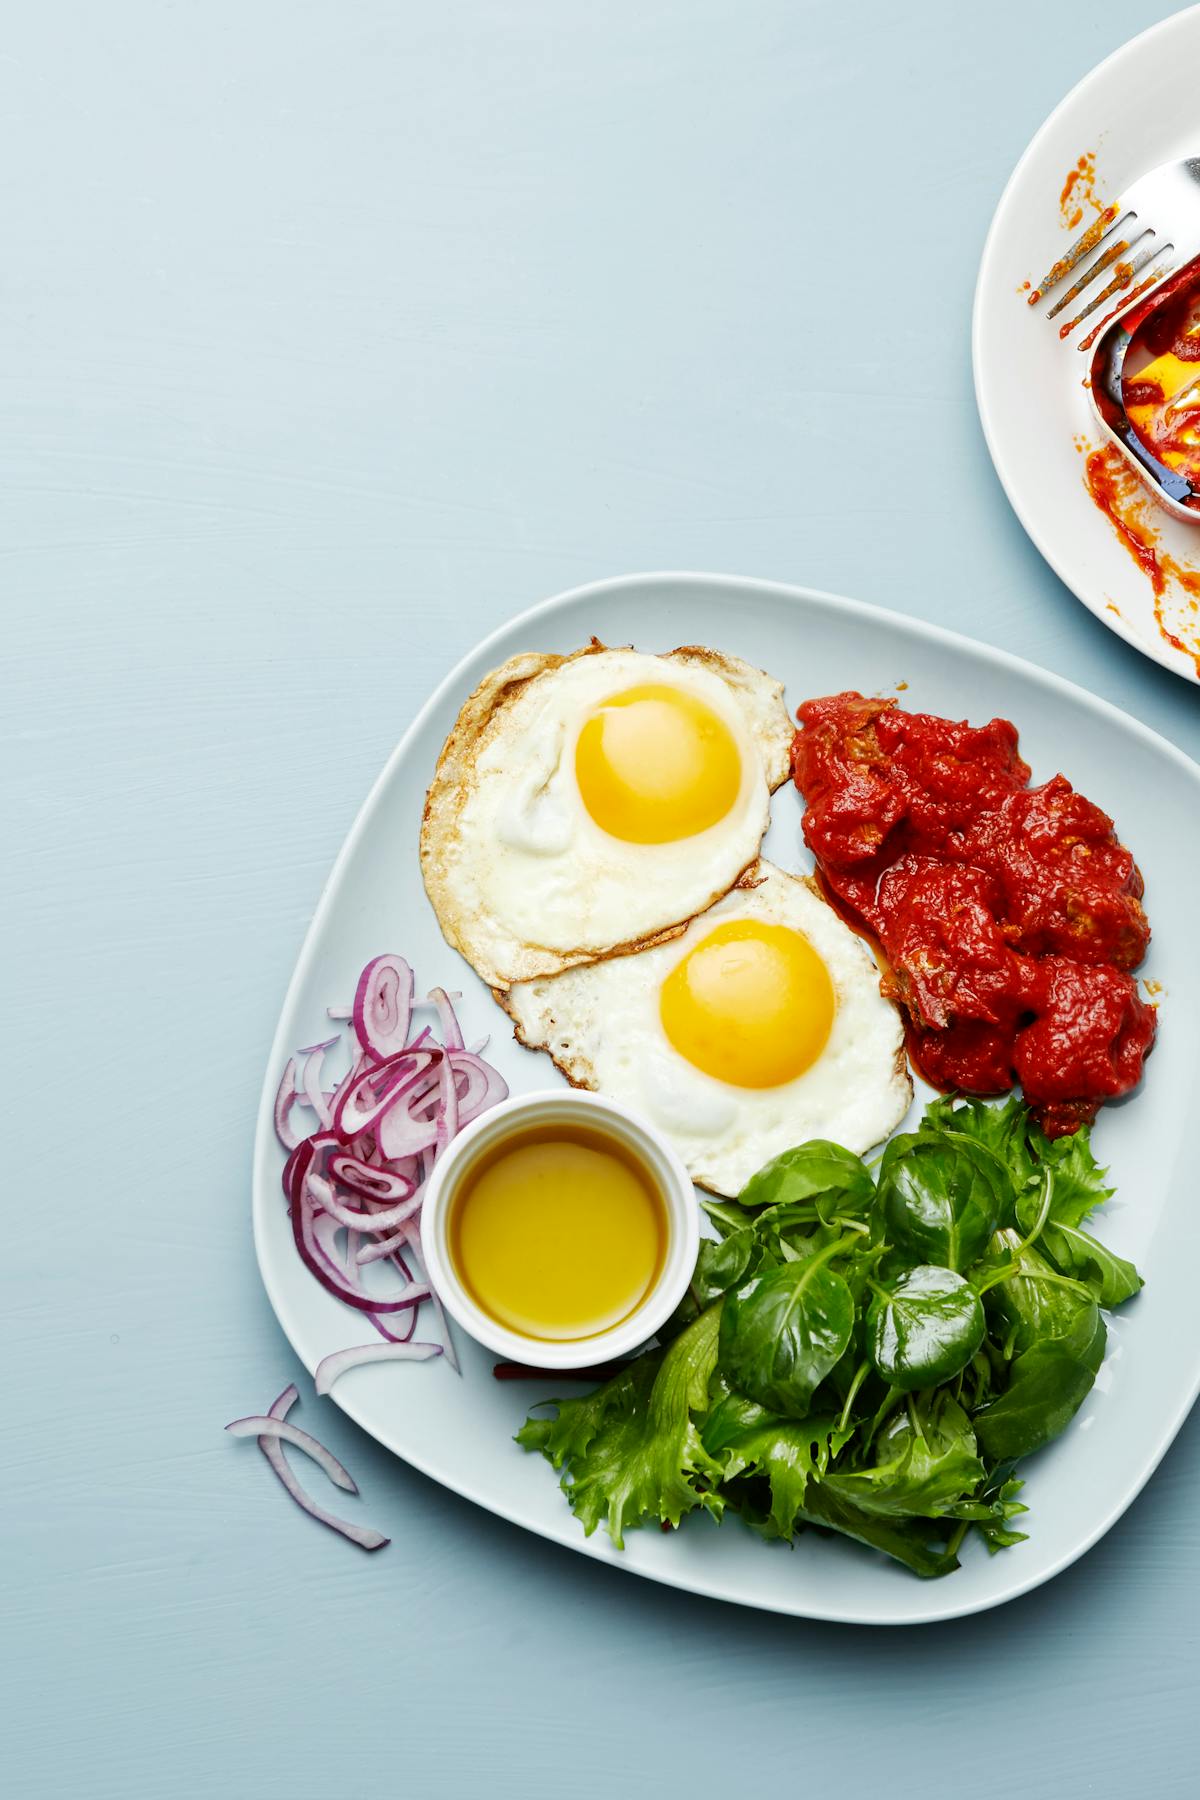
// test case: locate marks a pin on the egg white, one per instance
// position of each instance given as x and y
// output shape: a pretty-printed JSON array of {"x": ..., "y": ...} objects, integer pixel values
[
  {"x": 601, "y": 1025},
  {"x": 523, "y": 880}
]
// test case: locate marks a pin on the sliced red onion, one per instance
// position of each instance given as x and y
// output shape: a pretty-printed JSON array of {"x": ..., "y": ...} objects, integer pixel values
[
  {"x": 273, "y": 1451},
  {"x": 262, "y": 1425},
  {"x": 285, "y": 1099},
  {"x": 283, "y": 1403},
  {"x": 310, "y": 1080},
  {"x": 330, "y": 1367},
  {"x": 378, "y": 1133},
  {"x": 358, "y": 1218},
  {"x": 452, "y": 1036},
  {"x": 374, "y": 1184},
  {"x": 339, "y": 1013},
  {"x": 372, "y": 1095},
  {"x": 384, "y": 1246},
  {"x": 446, "y": 1116},
  {"x": 335, "y": 1280},
  {"x": 485, "y": 1085},
  {"x": 358, "y": 1061},
  {"x": 383, "y": 1005}
]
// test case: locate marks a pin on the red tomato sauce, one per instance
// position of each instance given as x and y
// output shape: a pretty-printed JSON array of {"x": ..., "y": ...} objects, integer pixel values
[{"x": 1009, "y": 917}]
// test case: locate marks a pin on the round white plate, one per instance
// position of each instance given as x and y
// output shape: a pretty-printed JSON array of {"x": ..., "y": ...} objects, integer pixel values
[
  {"x": 1136, "y": 110},
  {"x": 460, "y": 1430}
]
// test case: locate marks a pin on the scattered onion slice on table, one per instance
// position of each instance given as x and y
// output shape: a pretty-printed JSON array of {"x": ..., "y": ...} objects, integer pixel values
[
  {"x": 354, "y": 1183},
  {"x": 272, "y": 1426}
]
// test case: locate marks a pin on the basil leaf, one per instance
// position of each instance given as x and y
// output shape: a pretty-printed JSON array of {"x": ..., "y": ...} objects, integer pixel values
[
  {"x": 787, "y": 1452},
  {"x": 783, "y": 1331},
  {"x": 925, "y": 1329},
  {"x": 630, "y": 1450},
  {"x": 825, "y": 1178},
  {"x": 1047, "y": 1385},
  {"x": 942, "y": 1196}
]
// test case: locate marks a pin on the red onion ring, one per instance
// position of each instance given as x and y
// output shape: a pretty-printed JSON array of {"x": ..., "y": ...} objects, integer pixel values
[
  {"x": 373, "y": 1184},
  {"x": 357, "y": 1218},
  {"x": 362, "y": 1104},
  {"x": 330, "y": 1367},
  {"x": 310, "y": 1080},
  {"x": 378, "y": 1132},
  {"x": 285, "y": 1099},
  {"x": 262, "y": 1425},
  {"x": 271, "y": 1448},
  {"x": 452, "y": 1036},
  {"x": 383, "y": 1005}
]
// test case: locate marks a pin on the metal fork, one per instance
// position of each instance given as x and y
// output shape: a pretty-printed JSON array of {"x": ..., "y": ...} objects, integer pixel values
[{"x": 1156, "y": 221}]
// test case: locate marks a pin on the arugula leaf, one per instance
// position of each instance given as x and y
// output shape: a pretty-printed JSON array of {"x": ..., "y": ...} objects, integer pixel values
[
  {"x": 991, "y": 1511},
  {"x": 1079, "y": 1185},
  {"x": 925, "y": 1460},
  {"x": 1034, "y": 1302},
  {"x": 1072, "y": 1251},
  {"x": 822, "y": 1177},
  {"x": 630, "y": 1451},
  {"x": 783, "y": 1330},
  {"x": 1010, "y": 1131},
  {"x": 1047, "y": 1385},
  {"x": 925, "y": 1328},
  {"x": 786, "y": 1451},
  {"x": 1109, "y": 1277},
  {"x": 942, "y": 1195},
  {"x": 1001, "y": 1129},
  {"x": 727, "y": 1215}
]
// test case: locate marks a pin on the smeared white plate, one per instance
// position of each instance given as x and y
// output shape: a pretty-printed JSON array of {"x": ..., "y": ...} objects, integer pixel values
[
  {"x": 460, "y": 1430},
  {"x": 1139, "y": 108}
]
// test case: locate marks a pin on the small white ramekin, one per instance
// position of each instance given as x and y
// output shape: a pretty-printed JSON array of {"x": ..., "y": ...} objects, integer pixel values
[{"x": 563, "y": 1106}]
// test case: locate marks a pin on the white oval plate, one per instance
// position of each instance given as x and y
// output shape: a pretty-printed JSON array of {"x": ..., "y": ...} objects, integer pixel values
[
  {"x": 460, "y": 1431},
  {"x": 1135, "y": 110}
]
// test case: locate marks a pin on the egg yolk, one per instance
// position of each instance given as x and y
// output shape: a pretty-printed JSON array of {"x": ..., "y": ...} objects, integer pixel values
[
  {"x": 654, "y": 764},
  {"x": 752, "y": 1004}
]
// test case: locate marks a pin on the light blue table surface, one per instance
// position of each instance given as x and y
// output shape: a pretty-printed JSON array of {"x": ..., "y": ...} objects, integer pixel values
[{"x": 332, "y": 336}]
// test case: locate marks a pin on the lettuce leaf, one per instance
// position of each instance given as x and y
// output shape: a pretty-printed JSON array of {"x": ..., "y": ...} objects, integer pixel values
[{"x": 630, "y": 1451}]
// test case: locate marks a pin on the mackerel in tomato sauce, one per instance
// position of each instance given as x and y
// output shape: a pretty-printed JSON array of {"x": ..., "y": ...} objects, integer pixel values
[{"x": 1010, "y": 917}]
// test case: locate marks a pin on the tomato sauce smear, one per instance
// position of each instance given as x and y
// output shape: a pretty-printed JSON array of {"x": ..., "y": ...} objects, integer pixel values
[{"x": 1009, "y": 916}]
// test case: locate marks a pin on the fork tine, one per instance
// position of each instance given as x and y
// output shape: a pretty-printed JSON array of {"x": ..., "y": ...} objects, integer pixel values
[
  {"x": 1099, "y": 228},
  {"x": 1122, "y": 279},
  {"x": 1101, "y": 263}
]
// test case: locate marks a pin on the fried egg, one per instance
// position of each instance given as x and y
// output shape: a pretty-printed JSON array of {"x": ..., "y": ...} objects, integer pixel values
[
  {"x": 760, "y": 1027},
  {"x": 586, "y": 804}
]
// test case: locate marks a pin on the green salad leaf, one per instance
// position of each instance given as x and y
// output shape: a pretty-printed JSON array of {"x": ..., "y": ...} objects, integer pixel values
[
  {"x": 1109, "y": 1278},
  {"x": 1048, "y": 1383},
  {"x": 783, "y": 1331},
  {"x": 942, "y": 1194},
  {"x": 925, "y": 1328},
  {"x": 860, "y": 1356},
  {"x": 821, "y": 1177},
  {"x": 922, "y": 1463},
  {"x": 787, "y": 1452},
  {"x": 630, "y": 1449}
]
